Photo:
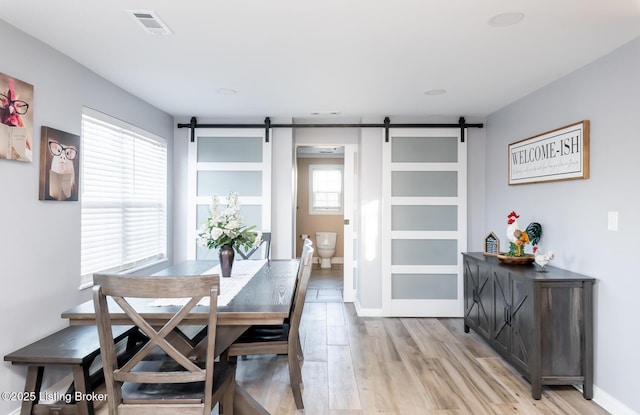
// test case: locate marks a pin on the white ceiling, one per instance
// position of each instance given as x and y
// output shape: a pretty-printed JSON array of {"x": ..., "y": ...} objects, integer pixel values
[{"x": 362, "y": 58}]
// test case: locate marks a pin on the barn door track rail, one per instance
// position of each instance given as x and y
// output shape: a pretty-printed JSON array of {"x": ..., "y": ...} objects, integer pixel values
[{"x": 267, "y": 125}]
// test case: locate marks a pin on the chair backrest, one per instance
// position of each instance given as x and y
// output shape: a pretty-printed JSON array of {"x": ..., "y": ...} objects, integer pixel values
[
  {"x": 302, "y": 282},
  {"x": 264, "y": 244},
  {"x": 122, "y": 289}
]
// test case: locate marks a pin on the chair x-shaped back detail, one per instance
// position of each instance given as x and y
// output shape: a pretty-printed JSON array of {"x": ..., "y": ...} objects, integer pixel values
[{"x": 171, "y": 367}]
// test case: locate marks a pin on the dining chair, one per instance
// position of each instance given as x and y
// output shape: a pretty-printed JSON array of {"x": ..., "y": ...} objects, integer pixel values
[
  {"x": 162, "y": 379},
  {"x": 265, "y": 243},
  {"x": 283, "y": 339}
]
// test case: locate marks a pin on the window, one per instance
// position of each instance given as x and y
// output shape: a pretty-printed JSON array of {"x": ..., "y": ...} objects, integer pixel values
[
  {"x": 325, "y": 189},
  {"x": 123, "y": 196}
]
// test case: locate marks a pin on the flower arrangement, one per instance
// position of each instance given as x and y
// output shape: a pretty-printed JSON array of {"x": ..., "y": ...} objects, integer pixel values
[{"x": 226, "y": 226}]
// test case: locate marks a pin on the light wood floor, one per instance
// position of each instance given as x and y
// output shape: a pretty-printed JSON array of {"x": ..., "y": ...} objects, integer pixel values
[{"x": 397, "y": 366}]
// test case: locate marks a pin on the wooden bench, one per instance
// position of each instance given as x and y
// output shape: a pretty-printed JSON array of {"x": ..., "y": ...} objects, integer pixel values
[{"x": 74, "y": 347}]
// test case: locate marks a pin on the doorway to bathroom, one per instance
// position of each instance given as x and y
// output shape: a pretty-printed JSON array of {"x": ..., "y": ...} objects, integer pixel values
[{"x": 324, "y": 188}]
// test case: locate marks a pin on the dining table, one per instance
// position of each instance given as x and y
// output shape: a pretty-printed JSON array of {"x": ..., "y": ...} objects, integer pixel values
[{"x": 261, "y": 293}]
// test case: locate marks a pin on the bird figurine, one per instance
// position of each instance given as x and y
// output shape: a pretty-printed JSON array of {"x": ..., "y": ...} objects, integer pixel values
[
  {"x": 512, "y": 226},
  {"x": 542, "y": 259},
  {"x": 518, "y": 238}
]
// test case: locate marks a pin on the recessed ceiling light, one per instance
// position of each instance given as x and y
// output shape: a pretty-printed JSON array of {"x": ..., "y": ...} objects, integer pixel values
[
  {"x": 226, "y": 91},
  {"x": 435, "y": 92},
  {"x": 505, "y": 19}
]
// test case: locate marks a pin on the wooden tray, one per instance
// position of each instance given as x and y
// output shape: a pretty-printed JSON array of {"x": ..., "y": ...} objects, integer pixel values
[{"x": 527, "y": 259}]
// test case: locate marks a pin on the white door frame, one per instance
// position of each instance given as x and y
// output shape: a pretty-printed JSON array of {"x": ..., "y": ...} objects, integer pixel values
[
  {"x": 349, "y": 212},
  {"x": 350, "y": 180}
]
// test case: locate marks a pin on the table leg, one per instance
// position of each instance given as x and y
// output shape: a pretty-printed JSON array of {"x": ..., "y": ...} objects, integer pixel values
[
  {"x": 33, "y": 384},
  {"x": 226, "y": 335},
  {"x": 82, "y": 385},
  {"x": 244, "y": 404}
]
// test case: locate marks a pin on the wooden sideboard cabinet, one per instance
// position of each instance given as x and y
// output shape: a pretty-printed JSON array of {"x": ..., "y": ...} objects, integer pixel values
[{"x": 540, "y": 322}]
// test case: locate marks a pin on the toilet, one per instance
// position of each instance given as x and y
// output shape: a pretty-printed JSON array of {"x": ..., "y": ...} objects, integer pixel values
[{"x": 325, "y": 247}]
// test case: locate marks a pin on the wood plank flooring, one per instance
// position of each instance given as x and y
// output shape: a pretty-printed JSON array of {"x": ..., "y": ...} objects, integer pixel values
[
  {"x": 395, "y": 366},
  {"x": 398, "y": 366}
]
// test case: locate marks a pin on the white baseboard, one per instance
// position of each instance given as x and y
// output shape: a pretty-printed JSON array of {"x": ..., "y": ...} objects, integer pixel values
[
  {"x": 366, "y": 312},
  {"x": 608, "y": 402}
]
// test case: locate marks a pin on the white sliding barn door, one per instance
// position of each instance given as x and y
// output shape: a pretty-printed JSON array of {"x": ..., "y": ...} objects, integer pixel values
[
  {"x": 424, "y": 222},
  {"x": 223, "y": 161}
]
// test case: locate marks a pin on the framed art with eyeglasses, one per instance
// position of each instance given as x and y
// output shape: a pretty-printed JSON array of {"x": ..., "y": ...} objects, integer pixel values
[
  {"x": 16, "y": 119},
  {"x": 59, "y": 165}
]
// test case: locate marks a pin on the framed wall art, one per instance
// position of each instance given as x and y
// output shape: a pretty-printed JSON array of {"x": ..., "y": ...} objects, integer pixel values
[
  {"x": 16, "y": 119},
  {"x": 561, "y": 154},
  {"x": 59, "y": 165}
]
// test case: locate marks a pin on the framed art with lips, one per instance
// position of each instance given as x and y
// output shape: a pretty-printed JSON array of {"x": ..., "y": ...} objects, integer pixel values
[{"x": 16, "y": 119}]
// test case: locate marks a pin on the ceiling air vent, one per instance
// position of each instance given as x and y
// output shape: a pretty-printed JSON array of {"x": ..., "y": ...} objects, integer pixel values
[{"x": 150, "y": 22}]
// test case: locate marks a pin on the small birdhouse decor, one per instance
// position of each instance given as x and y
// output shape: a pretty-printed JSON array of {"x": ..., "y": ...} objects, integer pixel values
[
  {"x": 519, "y": 237},
  {"x": 491, "y": 245}
]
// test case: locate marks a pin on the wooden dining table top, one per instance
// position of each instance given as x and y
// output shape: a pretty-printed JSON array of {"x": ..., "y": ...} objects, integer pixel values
[{"x": 265, "y": 299}]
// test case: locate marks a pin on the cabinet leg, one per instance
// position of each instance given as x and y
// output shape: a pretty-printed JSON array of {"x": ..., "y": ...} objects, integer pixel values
[
  {"x": 466, "y": 328},
  {"x": 536, "y": 390},
  {"x": 587, "y": 390}
]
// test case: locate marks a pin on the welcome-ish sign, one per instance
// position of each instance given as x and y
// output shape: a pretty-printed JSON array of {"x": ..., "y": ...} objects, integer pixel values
[{"x": 560, "y": 154}]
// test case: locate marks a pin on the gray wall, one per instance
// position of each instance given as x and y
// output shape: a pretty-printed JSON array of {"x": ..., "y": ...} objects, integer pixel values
[
  {"x": 574, "y": 213},
  {"x": 40, "y": 241}
]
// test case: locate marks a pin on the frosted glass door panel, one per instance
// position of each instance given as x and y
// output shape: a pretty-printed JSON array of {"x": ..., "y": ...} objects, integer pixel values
[
  {"x": 221, "y": 183},
  {"x": 252, "y": 215},
  {"x": 424, "y": 183},
  {"x": 424, "y": 218},
  {"x": 424, "y": 252},
  {"x": 424, "y": 286},
  {"x": 230, "y": 149},
  {"x": 222, "y": 161},
  {"x": 206, "y": 254},
  {"x": 424, "y": 149}
]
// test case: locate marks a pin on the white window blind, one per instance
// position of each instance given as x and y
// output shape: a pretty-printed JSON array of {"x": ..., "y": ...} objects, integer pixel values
[{"x": 124, "y": 196}]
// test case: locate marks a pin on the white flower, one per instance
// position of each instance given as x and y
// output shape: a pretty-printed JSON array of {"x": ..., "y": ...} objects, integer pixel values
[
  {"x": 225, "y": 226},
  {"x": 216, "y": 233}
]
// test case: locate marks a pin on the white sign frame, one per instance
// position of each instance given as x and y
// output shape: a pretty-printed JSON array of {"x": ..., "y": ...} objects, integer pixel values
[{"x": 560, "y": 154}]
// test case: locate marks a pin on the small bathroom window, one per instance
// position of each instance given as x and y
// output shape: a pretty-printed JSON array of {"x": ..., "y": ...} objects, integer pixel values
[{"x": 325, "y": 189}]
